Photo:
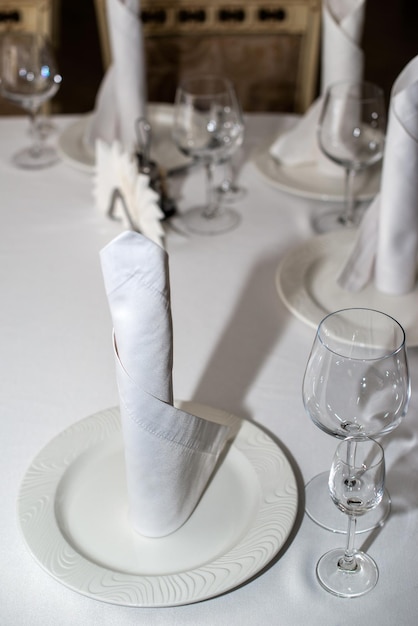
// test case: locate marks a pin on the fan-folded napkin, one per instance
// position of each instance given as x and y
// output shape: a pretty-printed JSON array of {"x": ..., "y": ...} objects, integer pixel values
[
  {"x": 387, "y": 241},
  {"x": 170, "y": 454},
  {"x": 122, "y": 95},
  {"x": 341, "y": 60}
]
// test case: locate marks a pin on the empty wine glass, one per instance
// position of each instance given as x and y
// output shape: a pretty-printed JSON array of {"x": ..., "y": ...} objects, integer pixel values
[
  {"x": 28, "y": 78},
  {"x": 356, "y": 485},
  {"x": 207, "y": 126},
  {"x": 356, "y": 383},
  {"x": 351, "y": 132}
]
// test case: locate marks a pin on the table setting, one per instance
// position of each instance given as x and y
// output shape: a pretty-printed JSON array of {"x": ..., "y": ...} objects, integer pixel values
[{"x": 180, "y": 366}]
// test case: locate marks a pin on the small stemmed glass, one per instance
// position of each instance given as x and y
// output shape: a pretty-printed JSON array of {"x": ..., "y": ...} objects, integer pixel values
[
  {"x": 208, "y": 126},
  {"x": 356, "y": 485},
  {"x": 356, "y": 383},
  {"x": 28, "y": 78},
  {"x": 351, "y": 132}
]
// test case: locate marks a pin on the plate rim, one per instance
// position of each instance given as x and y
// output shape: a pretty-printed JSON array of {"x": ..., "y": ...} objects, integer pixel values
[
  {"x": 36, "y": 516},
  {"x": 261, "y": 154},
  {"x": 303, "y": 257},
  {"x": 73, "y": 133}
]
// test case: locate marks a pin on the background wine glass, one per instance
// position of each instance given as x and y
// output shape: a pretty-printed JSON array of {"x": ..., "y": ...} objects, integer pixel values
[
  {"x": 28, "y": 78},
  {"x": 351, "y": 132},
  {"x": 356, "y": 383},
  {"x": 207, "y": 126},
  {"x": 356, "y": 485}
]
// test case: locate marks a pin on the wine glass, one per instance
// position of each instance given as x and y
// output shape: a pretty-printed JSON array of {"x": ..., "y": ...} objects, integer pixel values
[
  {"x": 208, "y": 126},
  {"x": 356, "y": 383},
  {"x": 28, "y": 78},
  {"x": 356, "y": 485},
  {"x": 351, "y": 132}
]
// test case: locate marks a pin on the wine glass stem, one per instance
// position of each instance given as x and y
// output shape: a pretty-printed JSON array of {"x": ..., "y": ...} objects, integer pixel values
[
  {"x": 348, "y": 561},
  {"x": 348, "y": 216},
  {"x": 212, "y": 204},
  {"x": 36, "y": 147}
]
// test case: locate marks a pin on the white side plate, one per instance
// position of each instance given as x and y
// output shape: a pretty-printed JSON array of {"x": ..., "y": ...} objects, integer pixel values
[
  {"x": 73, "y": 512},
  {"x": 73, "y": 150},
  {"x": 307, "y": 181},
  {"x": 306, "y": 280}
]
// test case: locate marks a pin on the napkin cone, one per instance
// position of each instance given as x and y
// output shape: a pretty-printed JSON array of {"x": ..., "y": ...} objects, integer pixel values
[
  {"x": 122, "y": 96},
  {"x": 386, "y": 247},
  {"x": 341, "y": 60},
  {"x": 170, "y": 454}
]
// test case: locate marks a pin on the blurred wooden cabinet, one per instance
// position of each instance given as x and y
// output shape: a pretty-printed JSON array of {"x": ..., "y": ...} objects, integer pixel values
[
  {"x": 26, "y": 15},
  {"x": 270, "y": 49}
]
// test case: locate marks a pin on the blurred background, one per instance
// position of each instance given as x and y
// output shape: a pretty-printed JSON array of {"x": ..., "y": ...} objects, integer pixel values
[{"x": 261, "y": 58}]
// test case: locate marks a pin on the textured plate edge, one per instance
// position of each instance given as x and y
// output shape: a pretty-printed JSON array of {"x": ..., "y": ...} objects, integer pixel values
[
  {"x": 120, "y": 589},
  {"x": 318, "y": 313},
  {"x": 261, "y": 154}
]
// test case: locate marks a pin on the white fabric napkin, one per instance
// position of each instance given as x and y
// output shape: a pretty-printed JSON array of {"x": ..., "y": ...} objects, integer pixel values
[
  {"x": 341, "y": 60},
  {"x": 387, "y": 241},
  {"x": 170, "y": 454},
  {"x": 122, "y": 95}
]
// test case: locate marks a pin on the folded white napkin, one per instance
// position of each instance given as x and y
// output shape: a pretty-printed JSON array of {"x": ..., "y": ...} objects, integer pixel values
[
  {"x": 170, "y": 454},
  {"x": 387, "y": 241},
  {"x": 116, "y": 169},
  {"x": 341, "y": 60},
  {"x": 122, "y": 95}
]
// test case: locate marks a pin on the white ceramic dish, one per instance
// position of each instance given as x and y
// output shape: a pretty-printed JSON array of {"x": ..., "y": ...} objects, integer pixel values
[
  {"x": 308, "y": 181},
  {"x": 73, "y": 150},
  {"x": 306, "y": 282},
  {"x": 73, "y": 512}
]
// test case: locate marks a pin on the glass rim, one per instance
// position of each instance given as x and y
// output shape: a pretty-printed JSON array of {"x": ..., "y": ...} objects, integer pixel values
[
  {"x": 378, "y": 90},
  {"x": 388, "y": 354}
]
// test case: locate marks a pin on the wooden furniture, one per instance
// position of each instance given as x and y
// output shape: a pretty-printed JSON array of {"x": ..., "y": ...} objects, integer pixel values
[
  {"x": 270, "y": 49},
  {"x": 27, "y": 15}
]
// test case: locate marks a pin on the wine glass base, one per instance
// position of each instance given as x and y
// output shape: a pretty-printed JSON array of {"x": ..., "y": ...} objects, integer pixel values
[
  {"x": 222, "y": 221},
  {"x": 333, "y": 220},
  {"x": 36, "y": 159},
  {"x": 321, "y": 509},
  {"x": 343, "y": 583}
]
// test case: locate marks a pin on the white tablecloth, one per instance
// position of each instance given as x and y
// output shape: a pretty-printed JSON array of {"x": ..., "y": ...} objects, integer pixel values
[{"x": 236, "y": 347}]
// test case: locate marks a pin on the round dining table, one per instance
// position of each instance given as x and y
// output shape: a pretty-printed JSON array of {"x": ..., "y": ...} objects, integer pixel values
[{"x": 238, "y": 347}]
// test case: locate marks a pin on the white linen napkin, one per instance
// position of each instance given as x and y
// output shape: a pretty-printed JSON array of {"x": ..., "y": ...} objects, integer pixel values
[
  {"x": 122, "y": 96},
  {"x": 170, "y": 454},
  {"x": 341, "y": 60},
  {"x": 387, "y": 242}
]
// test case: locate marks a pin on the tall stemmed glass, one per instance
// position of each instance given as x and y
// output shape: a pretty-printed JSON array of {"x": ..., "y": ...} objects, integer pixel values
[
  {"x": 351, "y": 132},
  {"x": 28, "y": 78},
  {"x": 356, "y": 485},
  {"x": 356, "y": 383},
  {"x": 208, "y": 126}
]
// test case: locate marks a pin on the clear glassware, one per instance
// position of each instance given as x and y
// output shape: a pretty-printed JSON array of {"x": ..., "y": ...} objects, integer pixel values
[
  {"x": 356, "y": 383},
  {"x": 28, "y": 78},
  {"x": 351, "y": 132},
  {"x": 208, "y": 126},
  {"x": 356, "y": 485}
]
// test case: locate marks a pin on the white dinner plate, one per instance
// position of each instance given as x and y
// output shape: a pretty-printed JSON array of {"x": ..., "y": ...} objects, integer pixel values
[
  {"x": 74, "y": 151},
  {"x": 306, "y": 280},
  {"x": 308, "y": 181},
  {"x": 73, "y": 511}
]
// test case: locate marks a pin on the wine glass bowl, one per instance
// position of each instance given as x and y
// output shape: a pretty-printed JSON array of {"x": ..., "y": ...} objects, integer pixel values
[
  {"x": 29, "y": 78},
  {"x": 351, "y": 133},
  {"x": 208, "y": 127},
  {"x": 356, "y": 486},
  {"x": 356, "y": 383}
]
